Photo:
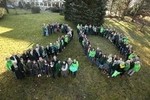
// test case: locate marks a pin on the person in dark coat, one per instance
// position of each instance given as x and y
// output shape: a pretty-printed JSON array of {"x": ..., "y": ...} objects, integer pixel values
[
  {"x": 35, "y": 55},
  {"x": 28, "y": 68},
  {"x": 46, "y": 67},
  {"x": 58, "y": 68},
  {"x": 35, "y": 68},
  {"x": 16, "y": 69},
  {"x": 21, "y": 67},
  {"x": 41, "y": 69}
]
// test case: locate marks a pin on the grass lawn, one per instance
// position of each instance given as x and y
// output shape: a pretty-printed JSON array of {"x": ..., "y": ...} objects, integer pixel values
[{"x": 20, "y": 32}]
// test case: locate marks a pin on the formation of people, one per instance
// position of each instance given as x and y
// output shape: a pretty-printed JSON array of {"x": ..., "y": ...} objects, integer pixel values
[
  {"x": 112, "y": 65},
  {"x": 49, "y": 29},
  {"x": 41, "y": 61}
]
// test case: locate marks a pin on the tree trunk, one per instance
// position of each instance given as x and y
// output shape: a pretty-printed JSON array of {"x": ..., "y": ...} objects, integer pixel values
[
  {"x": 5, "y": 6},
  {"x": 139, "y": 8},
  {"x": 127, "y": 3},
  {"x": 111, "y": 6}
]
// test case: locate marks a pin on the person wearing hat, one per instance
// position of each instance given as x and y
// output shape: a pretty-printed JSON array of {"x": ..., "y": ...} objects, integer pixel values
[
  {"x": 136, "y": 68},
  {"x": 74, "y": 67}
]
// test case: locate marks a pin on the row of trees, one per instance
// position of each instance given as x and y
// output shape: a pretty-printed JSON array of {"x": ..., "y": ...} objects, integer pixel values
[
  {"x": 85, "y": 11},
  {"x": 131, "y": 8},
  {"x": 93, "y": 11}
]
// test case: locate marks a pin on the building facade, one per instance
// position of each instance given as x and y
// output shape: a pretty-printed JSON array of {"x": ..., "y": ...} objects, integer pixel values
[{"x": 43, "y": 4}]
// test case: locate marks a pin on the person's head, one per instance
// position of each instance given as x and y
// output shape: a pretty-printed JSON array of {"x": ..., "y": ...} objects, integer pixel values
[
  {"x": 74, "y": 61},
  {"x": 97, "y": 48},
  {"x": 104, "y": 55},
  {"x": 37, "y": 45},
  {"x": 28, "y": 60},
  {"x": 51, "y": 63},
  {"x": 122, "y": 65},
  {"x": 59, "y": 61},
  {"x": 100, "y": 53},
  {"x": 64, "y": 62},
  {"x": 7, "y": 59},
  {"x": 47, "y": 46},
  {"x": 128, "y": 61},
  {"x": 69, "y": 59},
  {"x": 137, "y": 62},
  {"x": 40, "y": 59},
  {"x": 51, "y": 44},
  {"x": 55, "y": 58},
  {"x": 42, "y": 47},
  {"x": 45, "y": 61},
  {"x": 21, "y": 59},
  {"x": 34, "y": 61}
]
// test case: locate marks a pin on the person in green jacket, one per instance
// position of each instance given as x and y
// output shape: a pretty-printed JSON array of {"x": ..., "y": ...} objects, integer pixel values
[
  {"x": 125, "y": 40},
  {"x": 58, "y": 46},
  {"x": 127, "y": 65},
  {"x": 58, "y": 68},
  {"x": 131, "y": 56},
  {"x": 92, "y": 54},
  {"x": 9, "y": 64},
  {"x": 66, "y": 40},
  {"x": 73, "y": 68},
  {"x": 136, "y": 68}
]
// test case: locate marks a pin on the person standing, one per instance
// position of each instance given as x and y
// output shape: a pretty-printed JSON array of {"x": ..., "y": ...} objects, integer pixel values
[
  {"x": 74, "y": 67},
  {"x": 64, "y": 69},
  {"x": 136, "y": 68},
  {"x": 9, "y": 64},
  {"x": 58, "y": 68}
]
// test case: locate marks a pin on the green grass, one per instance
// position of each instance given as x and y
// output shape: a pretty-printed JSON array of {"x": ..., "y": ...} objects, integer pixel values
[{"x": 20, "y": 32}]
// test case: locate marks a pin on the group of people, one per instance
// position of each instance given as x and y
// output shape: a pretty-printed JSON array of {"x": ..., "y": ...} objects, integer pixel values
[
  {"x": 49, "y": 29},
  {"x": 42, "y": 60},
  {"x": 112, "y": 65}
]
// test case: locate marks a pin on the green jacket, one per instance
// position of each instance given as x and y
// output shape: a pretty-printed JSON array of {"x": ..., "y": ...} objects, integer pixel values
[
  {"x": 127, "y": 67},
  {"x": 137, "y": 67},
  {"x": 66, "y": 39},
  {"x": 92, "y": 53},
  {"x": 74, "y": 67},
  {"x": 101, "y": 29},
  {"x": 131, "y": 56},
  {"x": 76, "y": 64},
  {"x": 9, "y": 64},
  {"x": 58, "y": 67},
  {"x": 126, "y": 40},
  {"x": 58, "y": 45}
]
